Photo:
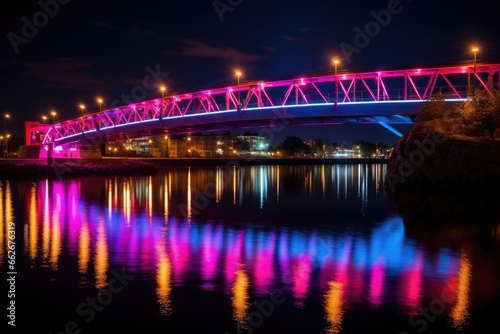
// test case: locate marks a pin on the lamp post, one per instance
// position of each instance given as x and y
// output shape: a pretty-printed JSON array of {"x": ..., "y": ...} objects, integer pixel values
[
  {"x": 6, "y": 116},
  {"x": 44, "y": 118},
  {"x": 335, "y": 64},
  {"x": 99, "y": 100},
  {"x": 7, "y": 145},
  {"x": 163, "y": 89},
  {"x": 238, "y": 75},
  {"x": 51, "y": 146},
  {"x": 474, "y": 51},
  {"x": 83, "y": 120}
]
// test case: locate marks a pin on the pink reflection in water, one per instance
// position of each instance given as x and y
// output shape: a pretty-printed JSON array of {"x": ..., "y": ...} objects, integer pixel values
[
  {"x": 411, "y": 284},
  {"x": 264, "y": 263},
  {"x": 377, "y": 282},
  {"x": 233, "y": 259},
  {"x": 179, "y": 249},
  {"x": 301, "y": 274},
  {"x": 123, "y": 234},
  {"x": 210, "y": 253}
]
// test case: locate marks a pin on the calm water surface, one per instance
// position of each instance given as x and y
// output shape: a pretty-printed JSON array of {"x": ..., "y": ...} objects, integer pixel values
[{"x": 256, "y": 249}]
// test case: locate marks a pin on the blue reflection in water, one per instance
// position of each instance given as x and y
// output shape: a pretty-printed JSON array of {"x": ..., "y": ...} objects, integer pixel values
[{"x": 125, "y": 224}]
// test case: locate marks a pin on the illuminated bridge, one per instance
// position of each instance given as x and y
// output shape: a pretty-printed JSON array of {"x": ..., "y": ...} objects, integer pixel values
[{"x": 384, "y": 97}]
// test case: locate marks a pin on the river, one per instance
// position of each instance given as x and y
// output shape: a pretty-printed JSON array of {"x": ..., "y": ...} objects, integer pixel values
[{"x": 242, "y": 249}]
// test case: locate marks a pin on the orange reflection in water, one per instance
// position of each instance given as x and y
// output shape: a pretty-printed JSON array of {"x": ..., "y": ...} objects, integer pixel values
[
  {"x": 164, "y": 281},
  {"x": 84, "y": 249},
  {"x": 6, "y": 217},
  {"x": 101, "y": 257},
  {"x": 2, "y": 225},
  {"x": 460, "y": 310},
  {"x": 334, "y": 307},
  {"x": 33, "y": 225},
  {"x": 240, "y": 296},
  {"x": 126, "y": 201}
]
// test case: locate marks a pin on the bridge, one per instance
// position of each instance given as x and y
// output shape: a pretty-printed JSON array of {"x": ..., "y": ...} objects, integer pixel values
[{"x": 384, "y": 97}]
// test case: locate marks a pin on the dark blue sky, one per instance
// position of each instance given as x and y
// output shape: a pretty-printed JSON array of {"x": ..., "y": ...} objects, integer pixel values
[{"x": 103, "y": 48}]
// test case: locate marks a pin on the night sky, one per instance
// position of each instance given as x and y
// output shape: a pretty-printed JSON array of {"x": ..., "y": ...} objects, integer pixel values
[{"x": 82, "y": 50}]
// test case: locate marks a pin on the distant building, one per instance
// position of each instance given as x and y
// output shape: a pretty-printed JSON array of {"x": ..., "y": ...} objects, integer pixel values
[
  {"x": 206, "y": 146},
  {"x": 252, "y": 145},
  {"x": 344, "y": 153}
]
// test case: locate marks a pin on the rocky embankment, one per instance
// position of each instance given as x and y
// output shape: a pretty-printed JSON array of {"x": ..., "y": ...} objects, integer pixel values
[
  {"x": 433, "y": 156},
  {"x": 62, "y": 170}
]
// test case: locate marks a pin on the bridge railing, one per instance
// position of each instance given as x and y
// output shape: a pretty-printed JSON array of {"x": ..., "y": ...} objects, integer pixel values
[{"x": 396, "y": 85}]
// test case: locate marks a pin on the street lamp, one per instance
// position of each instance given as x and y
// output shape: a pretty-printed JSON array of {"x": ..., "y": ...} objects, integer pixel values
[
  {"x": 335, "y": 64},
  {"x": 474, "y": 51},
  {"x": 53, "y": 113},
  {"x": 6, "y": 116},
  {"x": 82, "y": 106},
  {"x": 7, "y": 145},
  {"x": 99, "y": 100},
  {"x": 238, "y": 75},
  {"x": 44, "y": 118},
  {"x": 163, "y": 89}
]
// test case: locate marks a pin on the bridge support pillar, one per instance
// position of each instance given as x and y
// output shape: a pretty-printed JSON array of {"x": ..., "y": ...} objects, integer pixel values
[
  {"x": 390, "y": 128},
  {"x": 70, "y": 151}
]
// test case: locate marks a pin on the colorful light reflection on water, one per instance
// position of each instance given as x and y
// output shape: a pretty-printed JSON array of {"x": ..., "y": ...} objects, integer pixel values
[{"x": 138, "y": 223}]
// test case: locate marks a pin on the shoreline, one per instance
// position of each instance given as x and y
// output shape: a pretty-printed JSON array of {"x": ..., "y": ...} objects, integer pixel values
[
  {"x": 243, "y": 161},
  {"x": 30, "y": 169}
]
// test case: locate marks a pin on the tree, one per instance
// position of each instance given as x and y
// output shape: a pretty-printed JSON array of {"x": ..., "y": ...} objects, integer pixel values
[
  {"x": 369, "y": 149},
  {"x": 432, "y": 109},
  {"x": 293, "y": 145},
  {"x": 241, "y": 144},
  {"x": 320, "y": 147},
  {"x": 437, "y": 107},
  {"x": 481, "y": 114}
]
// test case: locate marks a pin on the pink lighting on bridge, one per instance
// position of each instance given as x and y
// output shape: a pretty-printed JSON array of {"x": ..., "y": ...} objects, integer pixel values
[{"x": 397, "y": 85}]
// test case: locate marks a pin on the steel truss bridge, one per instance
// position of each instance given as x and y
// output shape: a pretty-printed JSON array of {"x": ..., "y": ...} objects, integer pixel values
[{"x": 385, "y": 97}]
